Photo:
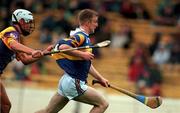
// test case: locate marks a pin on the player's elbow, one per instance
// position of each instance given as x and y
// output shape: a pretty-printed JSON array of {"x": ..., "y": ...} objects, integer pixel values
[{"x": 64, "y": 46}]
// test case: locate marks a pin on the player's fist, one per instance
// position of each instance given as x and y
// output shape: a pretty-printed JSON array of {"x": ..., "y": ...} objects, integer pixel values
[
  {"x": 37, "y": 54},
  {"x": 104, "y": 82},
  {"x": 87, "y": 56},
  {"x": 48, "y": 49}
]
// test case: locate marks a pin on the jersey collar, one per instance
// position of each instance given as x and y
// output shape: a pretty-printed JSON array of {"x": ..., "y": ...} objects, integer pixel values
[{"x": 78, "y": 30}]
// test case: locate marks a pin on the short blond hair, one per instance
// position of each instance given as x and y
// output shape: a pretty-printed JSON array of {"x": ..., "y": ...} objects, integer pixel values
[{"x": 86, "y": 15}]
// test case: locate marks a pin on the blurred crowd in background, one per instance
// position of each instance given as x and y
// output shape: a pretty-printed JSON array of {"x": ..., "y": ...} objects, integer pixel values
[
  {"x": 167, "y": 12},
  {"x": 147, "y": 60}
]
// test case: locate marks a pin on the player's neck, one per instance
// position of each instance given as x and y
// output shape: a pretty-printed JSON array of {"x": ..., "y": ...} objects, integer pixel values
[
  {"x": 17, "y": 28},
  {"x": 85, "y": 29}
]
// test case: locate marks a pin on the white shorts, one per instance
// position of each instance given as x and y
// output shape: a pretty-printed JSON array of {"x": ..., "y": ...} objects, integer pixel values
[{"x": 70, "y": 87}]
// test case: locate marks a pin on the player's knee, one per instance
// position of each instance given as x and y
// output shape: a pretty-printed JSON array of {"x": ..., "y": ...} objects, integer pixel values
[
  {"x": 6, "y": 107},
  {"x": 8, "y": 103},
  {"x": 104, "y": 105}
]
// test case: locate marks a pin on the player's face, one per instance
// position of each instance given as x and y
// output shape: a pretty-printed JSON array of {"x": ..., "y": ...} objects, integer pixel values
[
  {"x": 93, "y": 24},
  {"x": 28, "y": 27}
]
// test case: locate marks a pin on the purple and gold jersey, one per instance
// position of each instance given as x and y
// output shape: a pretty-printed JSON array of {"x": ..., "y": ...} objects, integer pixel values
[
  {"x": 76, "y": 67},
  {"x": 6, "y": 54}
]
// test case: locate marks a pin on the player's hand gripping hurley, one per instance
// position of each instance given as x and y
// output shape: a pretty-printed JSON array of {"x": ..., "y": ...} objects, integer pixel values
[
  {"x": 152, "y": 102},
  {"x": 98, "y": 45}
]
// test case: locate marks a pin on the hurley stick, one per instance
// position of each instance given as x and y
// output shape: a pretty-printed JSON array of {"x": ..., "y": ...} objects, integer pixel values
[{"x": 152, "y": 102}]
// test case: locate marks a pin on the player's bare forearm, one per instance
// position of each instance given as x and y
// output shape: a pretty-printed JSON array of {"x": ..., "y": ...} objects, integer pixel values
[
  {"x": 95, "y": 73},
  {"x": 77, "y": 53},
  {"x": 25, "y": 58},
  {"x": 20, "y": 48}
]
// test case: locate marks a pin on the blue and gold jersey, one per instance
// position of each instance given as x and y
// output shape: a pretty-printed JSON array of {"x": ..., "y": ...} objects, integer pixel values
[
  {"x": 74, "y": 66},
  {"x": 6, "y": 54}
]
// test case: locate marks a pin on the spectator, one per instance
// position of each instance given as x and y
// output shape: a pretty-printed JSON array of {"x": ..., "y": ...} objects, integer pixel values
[
  {"x": 175, "y": 54},
  {"x": 166, "y": 14},
  {"x": 46, "y": 36},
  {"x": 135, "y": 69},
  {"x": 141, "y": 12},
  {"x": 138, "y": 62},
  {"x": 47, "y": 27},
  {"x": 142, "y": 51},
  {"x": 130, "y": 36},
  {"x": 122, "y": 38},
  {"x": 155, "y": 43},
  {"x": 149, "y": 82},
  {"x": 62, "y": 25},
  {"x": 111, "y": 5},
  {"x": 161, "y": 55},
  {"x": 118, "y": 39},
  {"x": 104, "y": 33},
  {"x": 127, "y": 9},
  {"x": 102, "y": 20}
]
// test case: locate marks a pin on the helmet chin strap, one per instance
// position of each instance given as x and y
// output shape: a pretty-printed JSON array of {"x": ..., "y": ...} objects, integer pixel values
[{"x": 24, "y": 32}]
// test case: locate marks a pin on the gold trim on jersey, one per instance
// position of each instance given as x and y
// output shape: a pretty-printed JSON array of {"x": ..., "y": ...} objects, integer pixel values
[
  {"x": 81, "y": 39},
  {"x": 7, "y": 40},
  {"x": 58, "y": 56}
]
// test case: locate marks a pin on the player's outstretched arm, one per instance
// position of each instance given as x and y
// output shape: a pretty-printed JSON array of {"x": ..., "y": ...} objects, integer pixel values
[
  {"x": 17, "y": 47},
  {"x": 77, "y": 53},
  {"x": 28, "y": 59},
  {"x": 98, "y": 76}
]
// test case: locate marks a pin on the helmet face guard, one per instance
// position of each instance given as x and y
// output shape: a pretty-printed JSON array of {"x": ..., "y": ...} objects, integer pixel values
[
  {"x": 27, "y": 24},
  {"x": 28, "y": 28}
]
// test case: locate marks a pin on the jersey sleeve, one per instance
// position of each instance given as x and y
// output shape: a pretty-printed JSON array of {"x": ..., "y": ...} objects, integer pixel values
[
  {"x": 75, "y": 41},
  {"x": 9, "y": 37},
  {"x": 78, "y": 40}
]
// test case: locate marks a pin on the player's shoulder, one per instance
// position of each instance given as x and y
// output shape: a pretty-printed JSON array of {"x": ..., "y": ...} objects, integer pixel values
[
  {"x": 10, "y": 29},
  {"x": 10, "y": 32},
  {"x": 80, "y": 37},
  {"x": 62, "y": 40}
]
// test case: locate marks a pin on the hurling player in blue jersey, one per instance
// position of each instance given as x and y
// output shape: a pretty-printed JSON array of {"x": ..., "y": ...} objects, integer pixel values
[
  {"x": 11, "y": 47},
  {"x": 76, "y": 65}
]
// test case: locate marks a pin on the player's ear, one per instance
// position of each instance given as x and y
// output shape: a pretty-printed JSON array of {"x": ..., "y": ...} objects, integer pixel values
[{"x": 88, "y": 23}]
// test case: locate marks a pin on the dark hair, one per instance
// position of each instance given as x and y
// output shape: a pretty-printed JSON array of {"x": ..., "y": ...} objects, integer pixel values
[{"x": 86, "y": 15}]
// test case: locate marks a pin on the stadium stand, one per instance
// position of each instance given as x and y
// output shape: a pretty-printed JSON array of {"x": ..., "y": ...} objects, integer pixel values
[{"x": 115, "y": 70}]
